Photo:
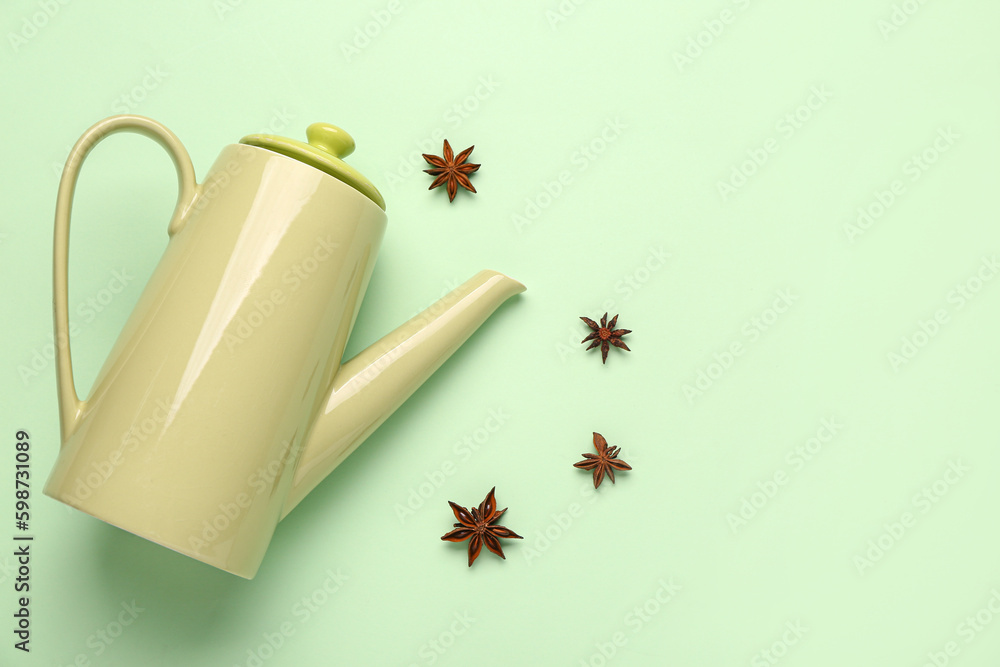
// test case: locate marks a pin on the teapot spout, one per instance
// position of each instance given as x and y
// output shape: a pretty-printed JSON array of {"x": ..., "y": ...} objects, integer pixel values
[{"x": 369, "y": 387}]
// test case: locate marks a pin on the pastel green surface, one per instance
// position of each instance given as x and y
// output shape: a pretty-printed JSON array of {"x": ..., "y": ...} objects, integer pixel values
[{"x": 809, "y": 188}]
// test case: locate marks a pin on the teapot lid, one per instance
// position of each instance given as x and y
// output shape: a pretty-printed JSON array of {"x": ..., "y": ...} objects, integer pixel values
[{"x": 327, "y": 145}]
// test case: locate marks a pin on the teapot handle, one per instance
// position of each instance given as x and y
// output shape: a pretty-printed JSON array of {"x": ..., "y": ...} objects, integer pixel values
[{"x": 71, "y": 407}]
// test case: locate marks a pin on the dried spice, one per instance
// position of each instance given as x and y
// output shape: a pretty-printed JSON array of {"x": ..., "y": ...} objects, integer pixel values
[
  {"x": 605, "y": 335},
  {"x": 606, "y": 461},
  {"x": 476, "y": 525},
  {"x": 451, "y": 170}
]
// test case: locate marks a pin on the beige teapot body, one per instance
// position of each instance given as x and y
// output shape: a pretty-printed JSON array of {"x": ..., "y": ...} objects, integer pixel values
[{"x": 224, "y": 400}]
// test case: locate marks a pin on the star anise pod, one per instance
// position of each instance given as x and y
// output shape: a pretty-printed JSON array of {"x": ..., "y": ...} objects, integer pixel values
[
  {"x": 451, "y": 170},
  {"x": 476, "y": 525},
  {"x": 605, "y": 461},
  {"x": 605, "y": 335}
]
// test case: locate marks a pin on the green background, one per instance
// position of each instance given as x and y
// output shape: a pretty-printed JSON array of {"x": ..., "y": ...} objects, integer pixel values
[{"x": 604, "y": 130}]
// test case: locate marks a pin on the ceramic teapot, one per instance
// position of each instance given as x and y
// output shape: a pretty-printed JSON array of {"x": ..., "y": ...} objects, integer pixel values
[{"x": 224, "y": 400}]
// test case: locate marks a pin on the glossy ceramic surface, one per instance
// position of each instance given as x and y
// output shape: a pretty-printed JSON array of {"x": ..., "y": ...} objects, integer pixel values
[{"x": 223, "y": 401}]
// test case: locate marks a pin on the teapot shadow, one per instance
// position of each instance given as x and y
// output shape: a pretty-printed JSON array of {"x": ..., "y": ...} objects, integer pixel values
[
  {"x": 345, "y": 482},
  {"x": 203, "y": 604},
  {"x": 210, "y": 406},
  {"x": 193, "y": 609},
  {"x": 190, "y": 599}
]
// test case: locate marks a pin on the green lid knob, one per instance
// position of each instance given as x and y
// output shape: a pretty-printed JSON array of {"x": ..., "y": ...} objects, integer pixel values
[
  {"x": 328, "y": 144},
  {"x": 331, "y": 139}
]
